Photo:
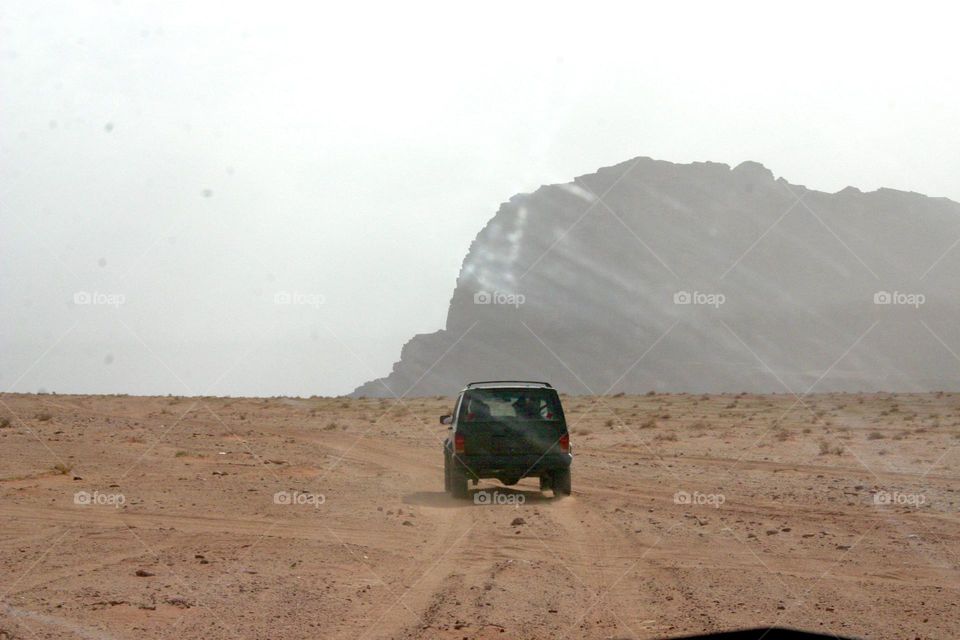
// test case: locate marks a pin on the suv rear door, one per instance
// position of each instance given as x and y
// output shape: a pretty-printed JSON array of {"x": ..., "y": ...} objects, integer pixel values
[{"x": 510, "y": 421}]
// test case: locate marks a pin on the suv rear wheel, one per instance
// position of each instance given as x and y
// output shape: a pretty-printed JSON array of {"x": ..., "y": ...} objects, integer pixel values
[
  {"x": 458, "y": 481},
  {"x": 561, "y": 482}
]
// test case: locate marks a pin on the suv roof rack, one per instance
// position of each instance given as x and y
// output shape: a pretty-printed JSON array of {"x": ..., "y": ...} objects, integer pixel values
[{"x": 484, "y": 383}]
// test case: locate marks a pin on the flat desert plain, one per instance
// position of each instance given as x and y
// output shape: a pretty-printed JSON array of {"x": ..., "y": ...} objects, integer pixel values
[{"x": 171, "y": 517}]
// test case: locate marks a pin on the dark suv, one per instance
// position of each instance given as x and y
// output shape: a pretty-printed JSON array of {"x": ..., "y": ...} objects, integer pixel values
[{"x": 507, "y": 430}]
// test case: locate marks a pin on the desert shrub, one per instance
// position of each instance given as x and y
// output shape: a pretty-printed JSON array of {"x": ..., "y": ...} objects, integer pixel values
[{"x": 826, "y": 449}]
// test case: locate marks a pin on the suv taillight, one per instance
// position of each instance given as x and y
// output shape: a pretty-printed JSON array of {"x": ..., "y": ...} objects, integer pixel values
[
  {"x": 459, "y": 443},
  {"x": 565, "y": 443}
]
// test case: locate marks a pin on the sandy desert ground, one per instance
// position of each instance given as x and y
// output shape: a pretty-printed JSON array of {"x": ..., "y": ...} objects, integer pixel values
[{"x": 167, "y": 517}]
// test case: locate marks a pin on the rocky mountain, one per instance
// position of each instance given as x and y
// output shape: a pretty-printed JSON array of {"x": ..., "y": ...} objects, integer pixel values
[{"x": 650, "y": 275}]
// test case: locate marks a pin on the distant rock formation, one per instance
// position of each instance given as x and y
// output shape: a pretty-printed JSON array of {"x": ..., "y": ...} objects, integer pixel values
[{"x": 650, "y": 275}]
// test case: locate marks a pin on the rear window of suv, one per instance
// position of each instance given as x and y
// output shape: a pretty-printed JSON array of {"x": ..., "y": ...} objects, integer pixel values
[{"x": 485, "y": 405}]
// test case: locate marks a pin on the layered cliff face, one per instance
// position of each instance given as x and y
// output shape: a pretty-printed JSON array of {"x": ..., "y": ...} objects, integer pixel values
[{"x": 650, "y": 275}]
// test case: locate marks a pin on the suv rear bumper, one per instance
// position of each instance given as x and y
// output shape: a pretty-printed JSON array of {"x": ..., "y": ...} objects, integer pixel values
[{"x": 520, "y": 466}]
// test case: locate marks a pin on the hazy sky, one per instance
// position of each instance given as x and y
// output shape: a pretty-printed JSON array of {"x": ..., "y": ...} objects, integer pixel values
[{"x": 188, "y": 161}]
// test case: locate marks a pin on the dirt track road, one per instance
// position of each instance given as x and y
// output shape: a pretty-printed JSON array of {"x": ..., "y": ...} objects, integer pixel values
[{"x": 280, "y": 518}]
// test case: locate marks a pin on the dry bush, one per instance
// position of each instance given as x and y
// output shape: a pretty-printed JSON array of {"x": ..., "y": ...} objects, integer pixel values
[
  {"x": 826, "y": 449},
  {"x": 44, "y": 416},
  {"x": 875, "y": 435},
  {"x": 666, "y": 437}
]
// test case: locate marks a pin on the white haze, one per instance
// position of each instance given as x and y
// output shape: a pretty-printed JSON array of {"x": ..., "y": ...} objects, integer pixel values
[{"x": 199, "y": 157}]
